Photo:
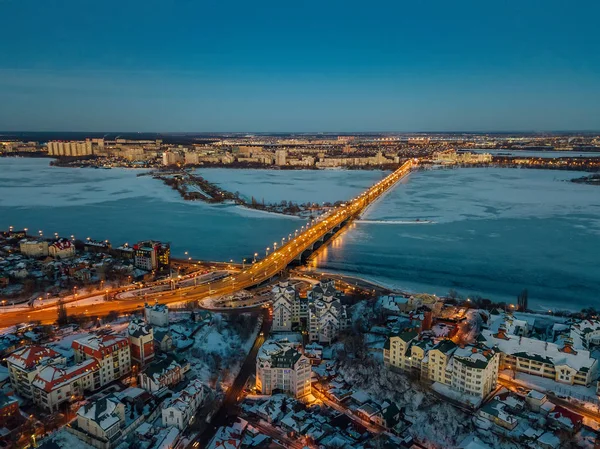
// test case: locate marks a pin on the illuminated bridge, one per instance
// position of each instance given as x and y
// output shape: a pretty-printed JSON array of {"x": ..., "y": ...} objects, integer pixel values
[{"x": 292, "y": 250}]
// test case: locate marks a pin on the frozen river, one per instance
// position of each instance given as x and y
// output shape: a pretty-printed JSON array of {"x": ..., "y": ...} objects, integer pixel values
[{"x": 495, "y": 231}]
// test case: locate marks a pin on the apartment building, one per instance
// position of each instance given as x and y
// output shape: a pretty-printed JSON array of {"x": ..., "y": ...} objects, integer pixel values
[
  {"x": 560, "y": 362},
  {"x": 25, "y": 364},
  {"x": 471, "y": 369},
  {"x": 280, "y": 367},
  {"x": 286, "y": 307},
  {"x": 33, "y": 247},
  {"x": 157, "y": 314},
  {"x": 110, "y": 351},
  {"x": 141, "y": 341},
  {"x": 55, "y": 384},
  {"x": 161, "y": 374},
  {"x": 326, "y": 314}
]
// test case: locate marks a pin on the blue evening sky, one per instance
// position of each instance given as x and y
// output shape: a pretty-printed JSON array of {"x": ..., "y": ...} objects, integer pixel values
[{"x": 219, "y": 65}]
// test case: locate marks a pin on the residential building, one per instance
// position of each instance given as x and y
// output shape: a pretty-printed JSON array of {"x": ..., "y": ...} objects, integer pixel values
[
  {"x": 33, "y": 248},
  {"x": 73, "y": 148},
  {"x": 286, "y": 307},
  {"x": 584, "y": 333},
  {"x": 561, "y": 363},
  {"x": 280, "y": 157},
  {"x": 161, "y": 374},
  {"x": 163, "y": 341},
  {"x": 141, "y": 341},
  {"x": 61, "y": 249},
  {"x": 470, "y": 369},
  {"x": 179, "y": 410},
  {"x": 9, "y": 409},
  {"x": 326, "y": 314},
  {"x": 56, "y": 384},
  {"x": 109, "y": 350},
  {"x": 25, "y": 364},
  {"x": 280, "y": 367},
  {"x": 151, "y": 255},
  {"x": 495, "y": 411},
  {"x": 157, "y": 314},
  {"x": 100, "y": 423},
  {"x": 172, "y": 158}
]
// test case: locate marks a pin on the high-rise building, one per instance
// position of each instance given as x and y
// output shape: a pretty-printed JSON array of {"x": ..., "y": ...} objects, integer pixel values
[
  {"x": 326, "y": 314},
  {"x": 280, "y": 157},
  {"x": 151, "y": 255},
  {"x": 286, "y": 307}
]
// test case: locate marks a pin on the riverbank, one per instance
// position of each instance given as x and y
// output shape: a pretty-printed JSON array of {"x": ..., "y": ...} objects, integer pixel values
[
  {"x": 196, "y": 188},
  {"x": 593, "y": 180}
]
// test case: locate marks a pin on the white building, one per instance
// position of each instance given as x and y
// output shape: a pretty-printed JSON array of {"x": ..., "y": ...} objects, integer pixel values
[
  {"x": 61, "y": 249},
  {"x": 286, "y": 307},
  {"x": 179, "y": 410},
  {"x": 33, "y": 248},
  {"x": 161, "y": 374},
  {"x": 584, "y": 333},
  {"x": 157, "y": 314},
  {"x": 281, "y": 367},
  {"x": 280, "y": 157},
  {"x": 56, "y": 384},
  {"x": 73, "y": 148},
  {"x": 326, "y": 314},
  {"x": 172, "y": 158},
  {"x": 109, "y": 350},
  {"x": 562, "y": 363},
  {"x": 25, "y": 364},
  {"x": 101, "y": 422}
]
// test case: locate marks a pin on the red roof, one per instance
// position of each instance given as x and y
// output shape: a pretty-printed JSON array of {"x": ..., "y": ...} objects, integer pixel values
[
  {"x": 51, "y": 377},
  {"x": 30, "y": 356},
  {"x": 99, "y": 346}
]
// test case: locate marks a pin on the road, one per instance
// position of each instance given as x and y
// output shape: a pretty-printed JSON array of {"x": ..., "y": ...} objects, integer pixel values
[
  {"x": 228, "y": 411},
  {"x": 278, "y": 258}
]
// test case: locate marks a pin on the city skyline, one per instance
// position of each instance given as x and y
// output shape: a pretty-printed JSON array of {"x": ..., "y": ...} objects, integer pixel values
[{"x": 274, "y": 68}]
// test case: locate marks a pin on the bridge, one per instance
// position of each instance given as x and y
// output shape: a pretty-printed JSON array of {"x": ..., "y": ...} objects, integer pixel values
[{"x": 303, "y": 242}]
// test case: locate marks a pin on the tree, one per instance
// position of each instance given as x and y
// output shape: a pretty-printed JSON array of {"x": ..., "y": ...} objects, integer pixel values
[
  {"x": 522, "y": 300},
  {"x": 63, "y": 318}
]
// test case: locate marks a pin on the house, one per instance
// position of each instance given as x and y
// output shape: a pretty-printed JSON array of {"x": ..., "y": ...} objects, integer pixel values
[
  {"x": 180, "y": 409},
  {"x": 565, "y": 419},
  {"x": 9, "y": 410},
  {"x": 548, "y": 440},
  {"x": 161, "y": 374},
  {"x": 163, "y": 341},
  {"x": 100, "y": 423},
  {"x": 495, "y": 411},
  {"x": 61, "y": 249},
  {"x": 535, "y": 400}
]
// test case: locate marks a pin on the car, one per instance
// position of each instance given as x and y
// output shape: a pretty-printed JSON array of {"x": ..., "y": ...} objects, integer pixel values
[{"x": 262, "y": 334}]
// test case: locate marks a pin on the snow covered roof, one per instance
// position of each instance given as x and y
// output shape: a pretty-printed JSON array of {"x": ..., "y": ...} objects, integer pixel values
[
  {"x": 139, "y": 328},
  {"x": 183, "y": 400},
  {"x": 32, "y": 356},
  {"x": 474, "y": 356},
  {"x": 52, "y": 377},
  {"x": 103, "y": 412},
  {"x": 541, "y": 351},
  {"x": 549, "y": 439},
  {"x": 534, "y": 394},
  {"x": 98, "y": 346}
]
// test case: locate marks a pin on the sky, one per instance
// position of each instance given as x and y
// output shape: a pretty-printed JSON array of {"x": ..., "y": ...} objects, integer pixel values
[{"x": 277, "y": 66}]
